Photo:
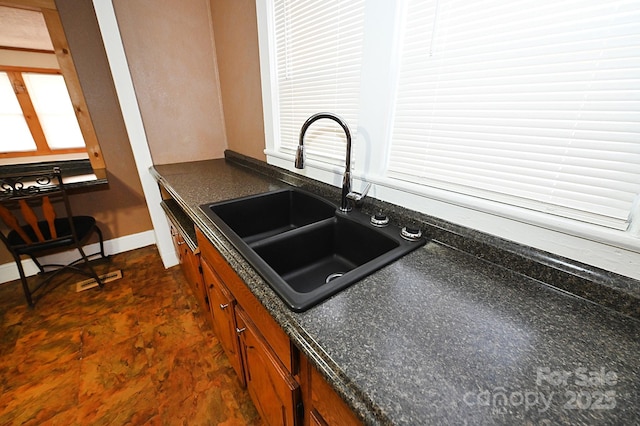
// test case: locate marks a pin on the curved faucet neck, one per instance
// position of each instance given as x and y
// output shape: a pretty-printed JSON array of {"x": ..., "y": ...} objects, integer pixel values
[
  {"x": 331, "y": 116},
  {"x": 299, "y": 161}
]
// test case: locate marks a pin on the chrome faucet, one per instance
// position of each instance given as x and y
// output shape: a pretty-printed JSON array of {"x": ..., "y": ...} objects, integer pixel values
[{"x": 346, "y": 177}]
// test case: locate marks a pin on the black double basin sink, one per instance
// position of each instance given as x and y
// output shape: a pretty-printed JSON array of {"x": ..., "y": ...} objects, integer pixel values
[{"x": 304, "y": 247}]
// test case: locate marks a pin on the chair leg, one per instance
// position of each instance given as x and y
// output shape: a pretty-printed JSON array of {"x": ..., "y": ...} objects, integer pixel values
[
  {"x": 25, "y": 285},
  {"x": 40, "y": 267},
  {"x": 94, "y": 275},
  {"x": 101, "y": 241}
]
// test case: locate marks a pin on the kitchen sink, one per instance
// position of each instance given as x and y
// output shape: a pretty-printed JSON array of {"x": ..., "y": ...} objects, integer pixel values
[
  {"x": 303, "y": 246},
  {"x": 260, "y": 216},
  {"x": 323, "y": 252}
]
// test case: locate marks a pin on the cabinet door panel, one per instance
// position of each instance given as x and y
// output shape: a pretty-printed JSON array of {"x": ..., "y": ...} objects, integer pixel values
[
  {"x": 273, "y": 390},
  {"x": 191, "y": 268},
  {"x": 327, "y": 405},
  {"x": 265, "y": 323},
  {"x": 190, "y": 265},
  {"x": 322, "y": 404},
  {"x": 315, "y": 419},
  {"x": 224, "y": 322}
]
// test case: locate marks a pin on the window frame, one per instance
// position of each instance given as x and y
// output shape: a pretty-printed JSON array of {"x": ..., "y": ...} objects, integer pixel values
[
  {"x": 67, "y": 68},
  {"x": 613, "y": 250},
  {"x": 31, "y": 117}
]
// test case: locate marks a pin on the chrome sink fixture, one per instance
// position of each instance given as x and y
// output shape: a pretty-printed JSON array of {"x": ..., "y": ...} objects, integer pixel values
[
  {"x": 305, "y": 247},
  {"x": 347, "y": 194}
]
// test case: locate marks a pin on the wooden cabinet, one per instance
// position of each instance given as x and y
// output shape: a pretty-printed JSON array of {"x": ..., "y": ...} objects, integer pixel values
[
  {"x": 223, "y": 316},
  {"x": 285, "y": 388},
  {"x": 183, "y": 235},
  {"x": 322, "y": 405},
  {"x": 268, "y": 327},
  {"x": 258, "y": 348},
  {"x": 190, "y": 265},
  {"x": 273, "y": 389}
]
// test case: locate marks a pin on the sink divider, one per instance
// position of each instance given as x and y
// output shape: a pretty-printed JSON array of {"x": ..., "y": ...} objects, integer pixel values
[{"x": 275, "y": 237}]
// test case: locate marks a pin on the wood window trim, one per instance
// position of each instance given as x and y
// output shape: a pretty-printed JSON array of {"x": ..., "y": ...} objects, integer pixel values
[
  {"x": 30, "y": 115},
  {"x": 68, "y": 71}
]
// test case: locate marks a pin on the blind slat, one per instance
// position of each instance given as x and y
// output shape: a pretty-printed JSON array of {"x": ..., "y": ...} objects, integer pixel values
[
  {"x": 540, "y": 113},
  {"x": 319, "y": 55}
]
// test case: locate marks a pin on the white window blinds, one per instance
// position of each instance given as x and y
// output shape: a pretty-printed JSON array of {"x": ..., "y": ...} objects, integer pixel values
[
  {"x": 15, "y": 135},
  {"x": 530, "y": 103},
  {"x": 319, "y": 52},
  {"x": 55, "y": 111}
]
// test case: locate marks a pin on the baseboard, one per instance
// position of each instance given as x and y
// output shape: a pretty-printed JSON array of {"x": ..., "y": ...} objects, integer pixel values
[{"x": 9, "y": 271}]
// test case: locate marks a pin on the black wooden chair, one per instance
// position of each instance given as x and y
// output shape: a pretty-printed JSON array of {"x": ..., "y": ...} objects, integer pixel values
[{"x": 37, "y": 197}]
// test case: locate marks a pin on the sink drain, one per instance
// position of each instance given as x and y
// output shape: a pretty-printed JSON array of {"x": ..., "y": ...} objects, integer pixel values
[{"x": 333, "y": 276}]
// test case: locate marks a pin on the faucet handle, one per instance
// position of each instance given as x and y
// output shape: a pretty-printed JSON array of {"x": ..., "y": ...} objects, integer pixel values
[{"x": 357, "y": 197}]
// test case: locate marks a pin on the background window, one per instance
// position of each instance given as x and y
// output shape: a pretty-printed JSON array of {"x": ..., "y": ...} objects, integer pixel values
[
  {"x": 53, "y": 107},
  {"x": 37, "y": 115},
  {"x": 16, "y": 136},
  {"x": 517, "y": 119},
  {"x": 318, "y": 57},
  {"x": 531, "y": 103}
]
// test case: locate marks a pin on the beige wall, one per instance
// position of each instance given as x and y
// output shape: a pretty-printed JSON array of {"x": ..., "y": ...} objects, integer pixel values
[
  {"x": 236, "y": 41},
  {"x": 119, "y": 208},
  {"x": 172, "y": 56},
  {"x": 170, "y": 51},
  {"x": 122, "y": 207}
]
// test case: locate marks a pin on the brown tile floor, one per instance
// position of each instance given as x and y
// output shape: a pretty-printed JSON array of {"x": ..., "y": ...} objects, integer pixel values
[{"x": 136, "y": 352}]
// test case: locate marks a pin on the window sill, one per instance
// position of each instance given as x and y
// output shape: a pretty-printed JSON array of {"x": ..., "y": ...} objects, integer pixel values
[{"x": 75, "y": 173}]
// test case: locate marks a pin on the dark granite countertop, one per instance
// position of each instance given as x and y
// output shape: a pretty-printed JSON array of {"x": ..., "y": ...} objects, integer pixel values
[{"x": 443, "y": 336}]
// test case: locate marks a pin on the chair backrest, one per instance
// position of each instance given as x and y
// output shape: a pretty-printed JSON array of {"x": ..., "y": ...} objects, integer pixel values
[{"x": 32, "y": 196}]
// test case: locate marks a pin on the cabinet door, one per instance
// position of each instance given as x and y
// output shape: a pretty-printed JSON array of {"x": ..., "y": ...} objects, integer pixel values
[
  {"x": 273, "y": 390},
  {"x": 224, "y": 320},
  {"x": 268, "y": 327},
  {"x": 323, "y": 407},
  {"x": 190, "y": 265},
  {"x": 191, "y": 268},
  {"x": 315, "y": 419}
]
